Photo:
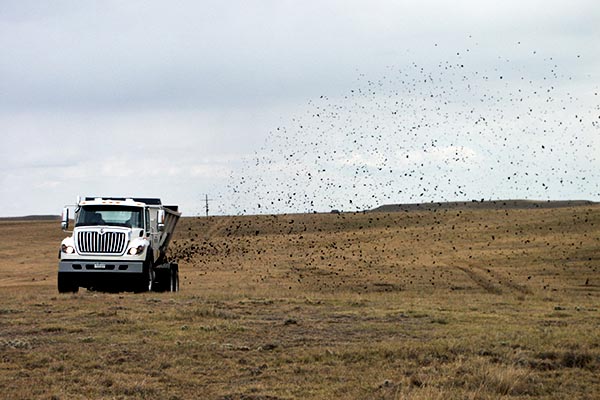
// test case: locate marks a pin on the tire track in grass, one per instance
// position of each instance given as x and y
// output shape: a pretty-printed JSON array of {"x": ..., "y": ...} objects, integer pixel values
[
  {"x": 492, "y": 281},
  {"x": 481, "y": 280},
  {"x": 504, "y": 281}
]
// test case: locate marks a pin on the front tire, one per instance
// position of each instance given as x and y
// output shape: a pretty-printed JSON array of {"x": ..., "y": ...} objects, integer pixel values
[
  {"x": 145, "y": 282},
  {"x": 66, "y": 284},
  {"x": 150, "y": 280}
]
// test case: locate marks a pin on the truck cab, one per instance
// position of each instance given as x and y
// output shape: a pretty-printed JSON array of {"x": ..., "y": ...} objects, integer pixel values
[{"x": 118, "y": 244}]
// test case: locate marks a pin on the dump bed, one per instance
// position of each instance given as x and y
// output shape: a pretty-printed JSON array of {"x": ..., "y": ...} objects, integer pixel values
[{"x": 171, "y": 218}]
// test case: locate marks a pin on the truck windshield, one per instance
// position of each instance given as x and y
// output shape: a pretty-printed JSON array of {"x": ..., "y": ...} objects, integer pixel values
[{"x": 110, "y": 215}]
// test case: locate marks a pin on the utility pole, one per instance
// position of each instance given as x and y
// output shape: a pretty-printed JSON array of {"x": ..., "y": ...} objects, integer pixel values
[{"x": 206, "y": 199}]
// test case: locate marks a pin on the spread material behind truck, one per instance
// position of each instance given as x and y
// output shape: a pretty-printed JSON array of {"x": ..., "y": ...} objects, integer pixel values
[{"x": 118, "y": 244}]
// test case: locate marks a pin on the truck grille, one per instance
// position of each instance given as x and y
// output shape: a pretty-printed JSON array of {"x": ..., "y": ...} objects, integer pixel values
[{"x": 94, "y": 242}]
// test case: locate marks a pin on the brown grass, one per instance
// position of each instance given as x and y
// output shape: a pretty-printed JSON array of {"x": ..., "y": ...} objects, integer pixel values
[{"x": 453, "y": 304}]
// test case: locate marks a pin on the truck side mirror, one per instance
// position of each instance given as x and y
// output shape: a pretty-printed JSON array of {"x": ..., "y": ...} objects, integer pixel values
[
  {"x": 161, "y": 220},
  {"x": 65, "y": 219}
]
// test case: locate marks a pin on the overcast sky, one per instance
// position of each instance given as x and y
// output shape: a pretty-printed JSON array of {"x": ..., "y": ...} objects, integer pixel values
[{"x": 287, "y": 106}]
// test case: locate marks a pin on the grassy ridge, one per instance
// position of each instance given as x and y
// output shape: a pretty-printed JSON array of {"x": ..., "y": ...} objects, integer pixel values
[
  {"x": 486, "y": 205},
  {"x": 458, "y": 304}
]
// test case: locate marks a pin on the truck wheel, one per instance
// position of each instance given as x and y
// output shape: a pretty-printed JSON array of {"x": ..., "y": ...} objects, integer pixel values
[
  {"x": 66, "y": 284},
  {"x": 145, "y": 282},
  {"x": 150, "y": 280},
  {"x": 174, "y": 284}
]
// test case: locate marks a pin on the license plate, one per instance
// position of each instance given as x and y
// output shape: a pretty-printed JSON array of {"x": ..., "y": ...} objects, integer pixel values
[{"x": 99, "y": 266}]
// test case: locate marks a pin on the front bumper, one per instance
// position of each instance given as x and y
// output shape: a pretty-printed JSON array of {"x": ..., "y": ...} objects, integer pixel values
[{"x": 101, "y": 266}]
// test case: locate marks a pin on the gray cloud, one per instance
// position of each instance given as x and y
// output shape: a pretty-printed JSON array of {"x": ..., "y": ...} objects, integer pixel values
[
  {"x": 206, "y": 54},
  {"x": 199, "y": 85}
]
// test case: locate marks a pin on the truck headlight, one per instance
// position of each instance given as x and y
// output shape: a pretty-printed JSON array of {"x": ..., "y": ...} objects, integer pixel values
[
  {"x": 136, "y": 250},
  {"x": 67, "y": 249}
]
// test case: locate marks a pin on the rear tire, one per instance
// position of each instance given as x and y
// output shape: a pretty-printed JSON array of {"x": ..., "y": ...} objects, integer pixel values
[
  {"x": 66, "y": 284},
  {"x": 174, "y": 281}
]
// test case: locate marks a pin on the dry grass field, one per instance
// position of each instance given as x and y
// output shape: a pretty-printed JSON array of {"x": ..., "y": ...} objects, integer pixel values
[{"x": 451, "y": 304}]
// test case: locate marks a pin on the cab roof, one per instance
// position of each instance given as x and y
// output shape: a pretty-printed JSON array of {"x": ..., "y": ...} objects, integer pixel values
[{"x": 126, "y": 201}]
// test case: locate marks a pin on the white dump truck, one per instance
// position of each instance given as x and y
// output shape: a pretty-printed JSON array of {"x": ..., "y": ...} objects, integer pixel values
[{"x": 118, "y": 244}]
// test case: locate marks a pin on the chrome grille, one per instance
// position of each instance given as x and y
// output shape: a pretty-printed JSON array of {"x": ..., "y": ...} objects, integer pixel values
[{"x": 94, "y": 242}]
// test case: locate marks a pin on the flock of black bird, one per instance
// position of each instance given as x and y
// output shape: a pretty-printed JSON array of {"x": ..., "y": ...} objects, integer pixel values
[
  {"x": 499, "y": 247},
  {"x": 454, "y": 130}
]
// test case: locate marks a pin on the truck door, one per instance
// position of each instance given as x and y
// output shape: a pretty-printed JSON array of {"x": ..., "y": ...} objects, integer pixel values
[{"x": 152, "y": 228}]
